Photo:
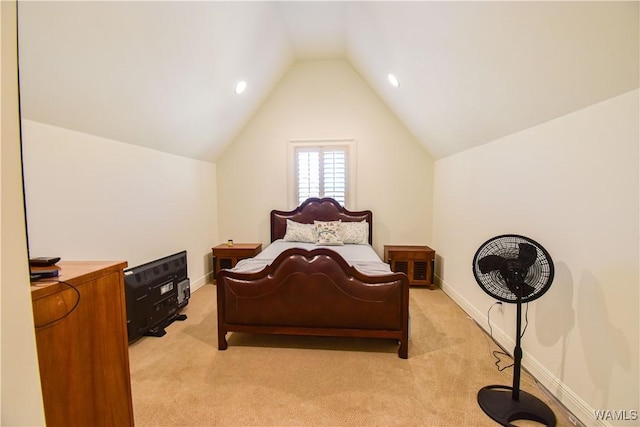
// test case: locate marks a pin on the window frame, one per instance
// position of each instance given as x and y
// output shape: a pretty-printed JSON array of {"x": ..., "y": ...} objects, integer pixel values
[{"x": 348, "y": 144}]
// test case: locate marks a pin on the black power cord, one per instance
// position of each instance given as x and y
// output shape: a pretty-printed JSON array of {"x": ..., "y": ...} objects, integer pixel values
[
  {"x": 502, "y": 352},
  {"x": 75, "y": 304}
]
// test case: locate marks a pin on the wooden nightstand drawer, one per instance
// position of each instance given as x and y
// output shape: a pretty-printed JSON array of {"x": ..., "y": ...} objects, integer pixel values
[{"x": 417, "y": 262}]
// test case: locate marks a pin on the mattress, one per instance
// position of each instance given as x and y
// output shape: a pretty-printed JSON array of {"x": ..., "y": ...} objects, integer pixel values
[{"x": 361, "y": 257}]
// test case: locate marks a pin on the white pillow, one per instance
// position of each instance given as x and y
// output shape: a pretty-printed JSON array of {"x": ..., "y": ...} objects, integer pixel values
[
  {"x": 299, "y": 232},
  {"x": 355, "y": 232},
  {"x": 328, "y": 233}
]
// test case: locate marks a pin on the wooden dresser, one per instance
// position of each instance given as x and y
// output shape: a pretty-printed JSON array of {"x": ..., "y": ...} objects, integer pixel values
[{"x": 81, "y": 337}]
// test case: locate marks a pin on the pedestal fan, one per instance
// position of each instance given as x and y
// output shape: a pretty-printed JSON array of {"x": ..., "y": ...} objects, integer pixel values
[{"x": 513, "y": 269}]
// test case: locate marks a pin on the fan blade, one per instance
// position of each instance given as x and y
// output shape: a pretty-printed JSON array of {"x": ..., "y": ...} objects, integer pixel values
[
  {"x": 490, "y": 263},
  {"x": 527, "y": 255}
]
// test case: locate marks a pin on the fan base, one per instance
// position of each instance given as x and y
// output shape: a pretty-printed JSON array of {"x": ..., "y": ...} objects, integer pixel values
[{"x": 497, "y": 402}]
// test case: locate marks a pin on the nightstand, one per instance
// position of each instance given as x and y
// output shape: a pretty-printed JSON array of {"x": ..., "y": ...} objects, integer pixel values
[
  {"x": 227, "y": 256},
  {"x": 417, "y": 262}
]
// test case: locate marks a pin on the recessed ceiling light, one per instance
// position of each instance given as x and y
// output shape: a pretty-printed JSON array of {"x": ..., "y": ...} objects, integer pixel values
[
  {"x": 393, "y": 80},
  {"x": 240, "y": 87}
]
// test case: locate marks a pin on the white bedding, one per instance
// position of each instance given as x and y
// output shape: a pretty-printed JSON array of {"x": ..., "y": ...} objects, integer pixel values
[{"x": 362, "y": 257}]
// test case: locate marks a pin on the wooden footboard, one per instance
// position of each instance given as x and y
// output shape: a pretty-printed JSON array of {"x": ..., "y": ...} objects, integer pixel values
[{"x": 314, "y": 293}]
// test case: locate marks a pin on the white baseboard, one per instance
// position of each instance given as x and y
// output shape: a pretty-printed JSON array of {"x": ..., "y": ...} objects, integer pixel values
[
  {"x": 198, "y": 283},
  {"x": 577, "y": 409}
]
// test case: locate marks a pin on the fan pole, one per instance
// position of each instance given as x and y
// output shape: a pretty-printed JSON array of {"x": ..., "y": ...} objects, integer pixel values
[
  {"x": 517, "y": 351},
  {"x": 504, "y": 408}
]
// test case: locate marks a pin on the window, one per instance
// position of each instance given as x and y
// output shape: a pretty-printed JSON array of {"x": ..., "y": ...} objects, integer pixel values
[{"x": 321, "y": 169}]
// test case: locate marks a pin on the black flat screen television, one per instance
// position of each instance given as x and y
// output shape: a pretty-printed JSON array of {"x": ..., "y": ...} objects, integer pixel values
[{"x": 155, "y": 292}]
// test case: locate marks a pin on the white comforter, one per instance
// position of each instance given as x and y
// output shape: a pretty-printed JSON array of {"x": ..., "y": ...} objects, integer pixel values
[{"x": 362, "y": 257}]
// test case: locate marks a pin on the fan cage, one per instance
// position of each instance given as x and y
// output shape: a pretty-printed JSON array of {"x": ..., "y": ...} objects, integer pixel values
[{"x": 539, "y": 275}]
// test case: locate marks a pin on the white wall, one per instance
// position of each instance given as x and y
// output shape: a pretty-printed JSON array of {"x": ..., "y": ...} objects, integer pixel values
[
  {"x": 90, "y": 198},
  {"x": 571, "y": 184},
  {"x": 21, "y": 400},
  {"x": 326, "y": 99}
]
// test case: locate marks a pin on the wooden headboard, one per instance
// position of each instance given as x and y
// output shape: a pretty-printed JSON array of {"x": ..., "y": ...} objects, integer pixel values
[{"x": 317, "y": 209}]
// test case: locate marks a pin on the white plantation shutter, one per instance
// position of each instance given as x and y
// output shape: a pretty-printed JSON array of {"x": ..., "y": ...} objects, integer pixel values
[
  {"x": 308, "y": 162},
  {"x": 335, "y": 174},
  {"x": 321, "y": 171}
]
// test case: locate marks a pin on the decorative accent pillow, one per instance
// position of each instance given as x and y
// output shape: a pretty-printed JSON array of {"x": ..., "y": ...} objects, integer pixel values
[
  {"x": 355, "y": 232},
  {"x": 328, "y": 233},
  {"x": 299, "y": 232}
]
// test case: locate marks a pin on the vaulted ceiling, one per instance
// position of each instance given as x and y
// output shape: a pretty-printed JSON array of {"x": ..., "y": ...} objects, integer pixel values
[{"x": 162, "y": 74}]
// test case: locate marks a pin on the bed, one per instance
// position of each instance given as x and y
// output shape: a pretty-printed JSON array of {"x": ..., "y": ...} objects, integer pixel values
[{"x": 299, "y": 287}]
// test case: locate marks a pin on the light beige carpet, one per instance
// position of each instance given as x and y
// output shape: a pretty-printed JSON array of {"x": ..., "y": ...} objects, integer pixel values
[{"x": 181, "y": 379}]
